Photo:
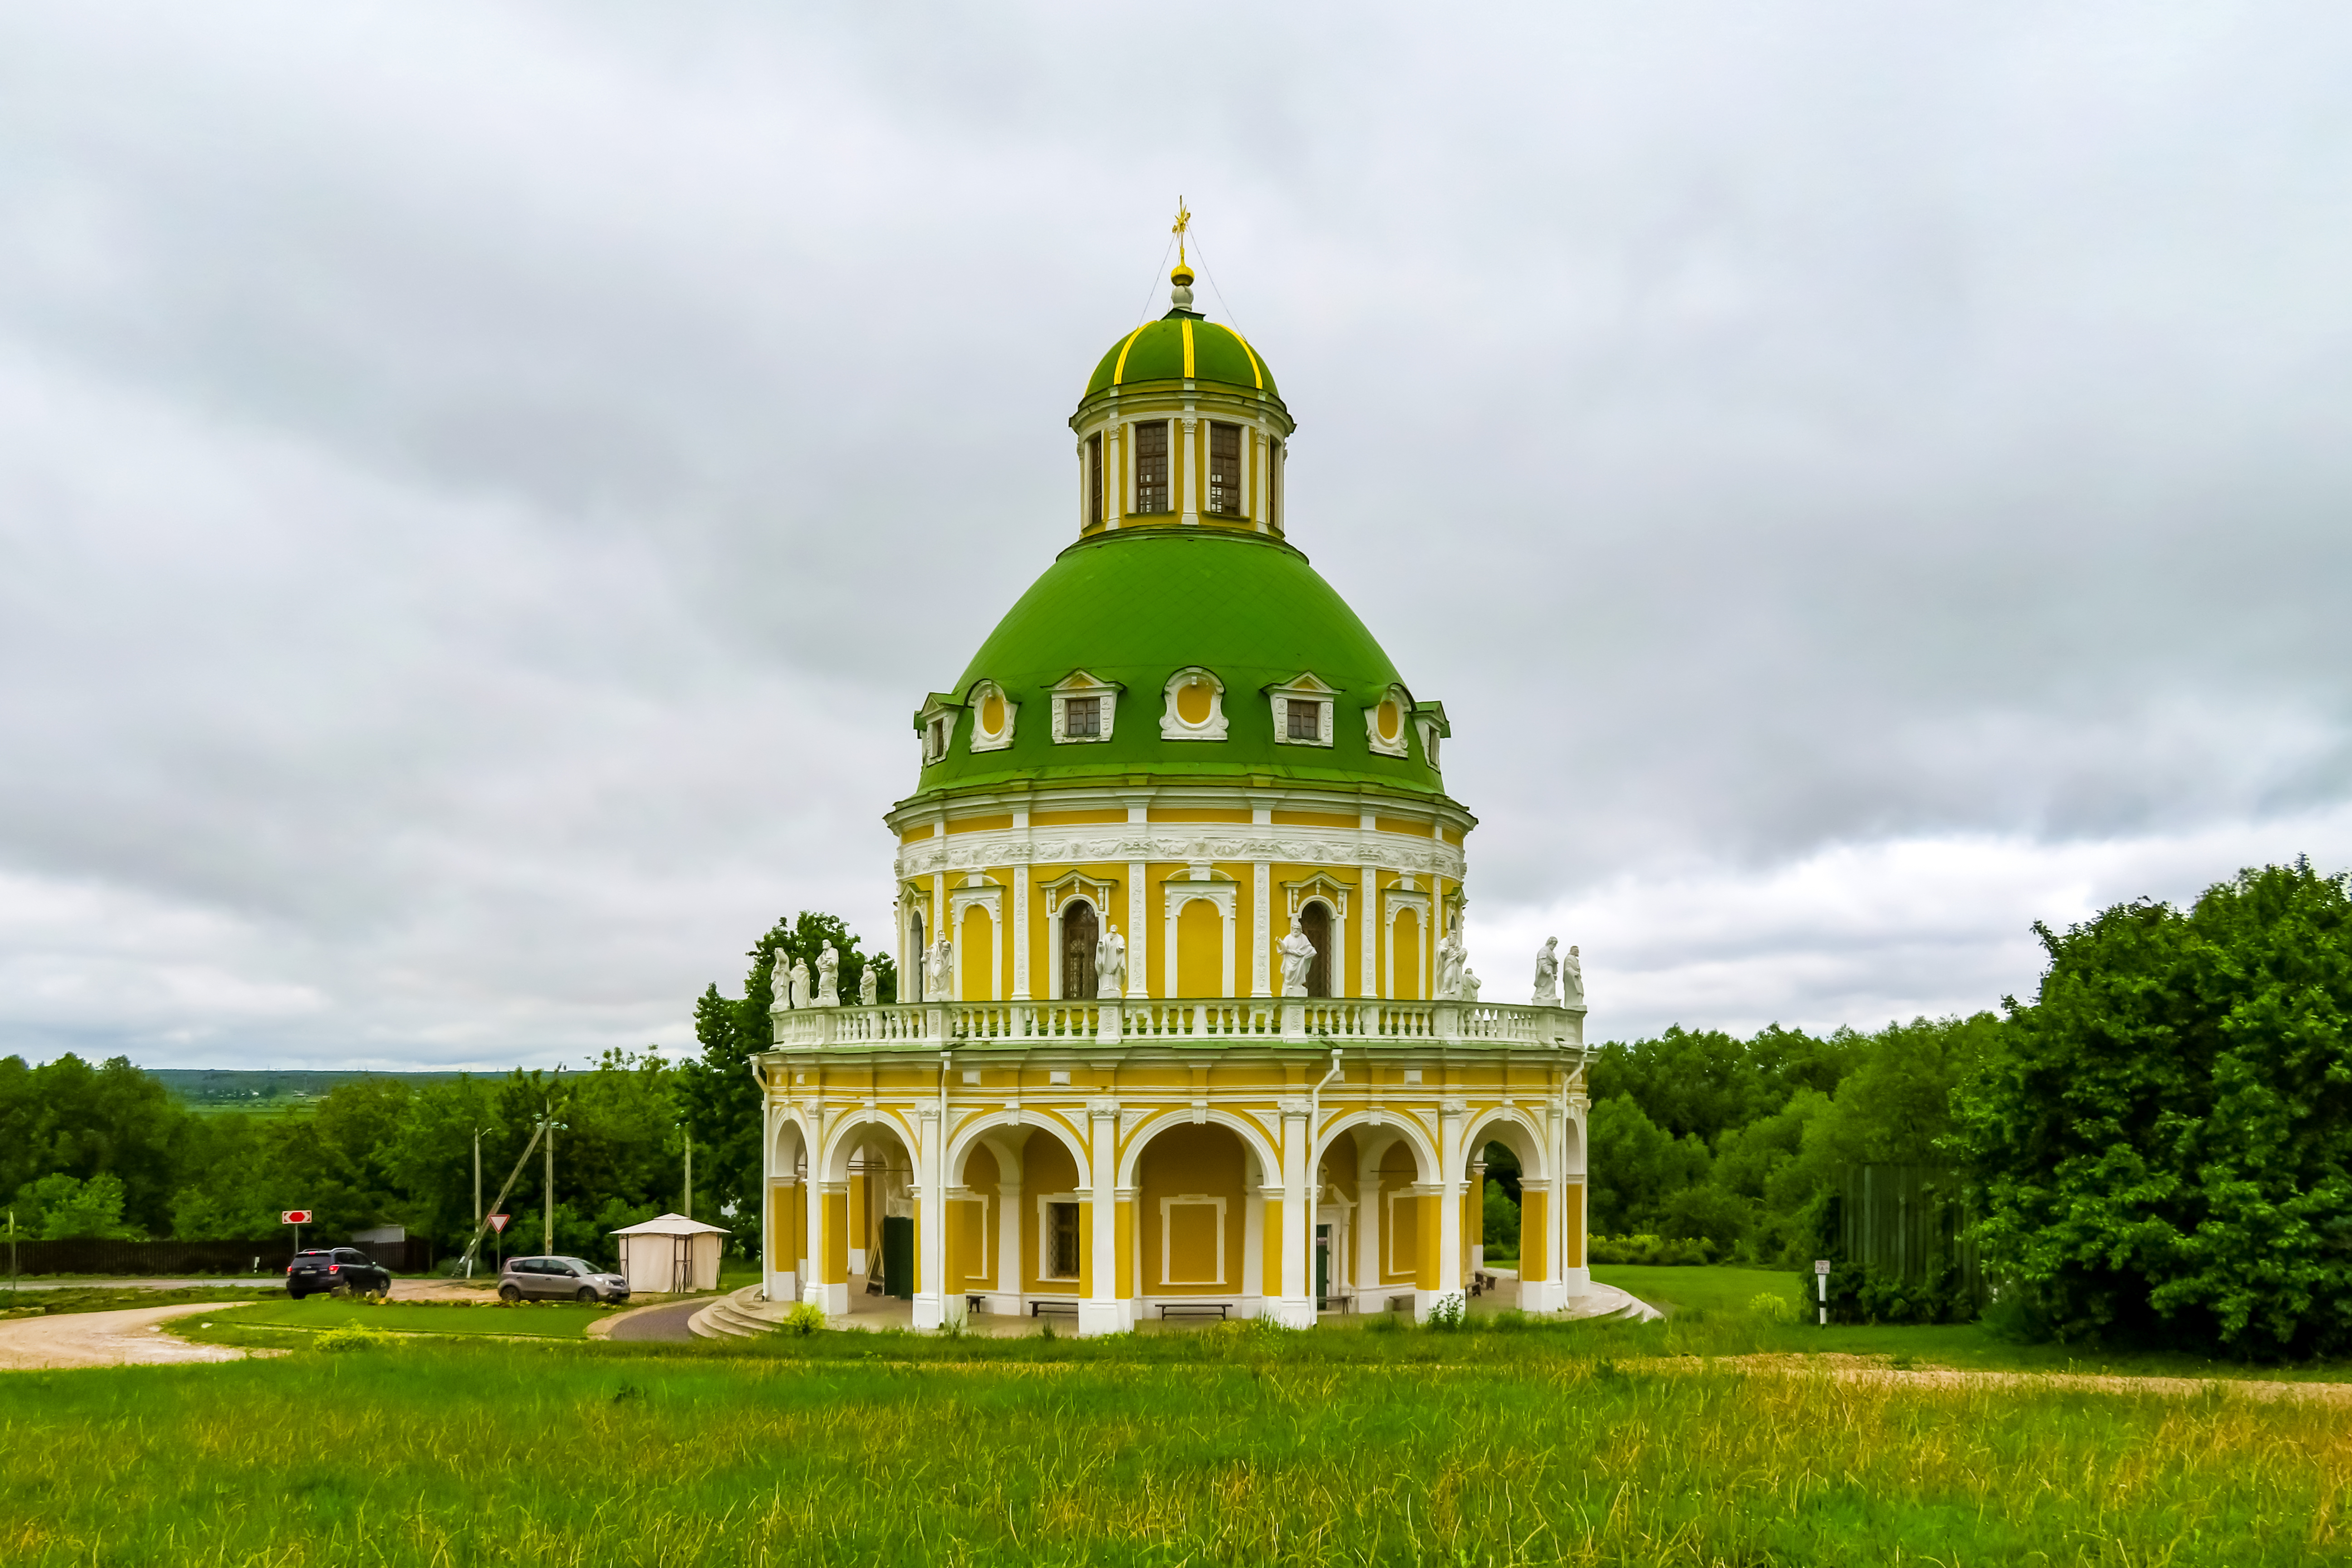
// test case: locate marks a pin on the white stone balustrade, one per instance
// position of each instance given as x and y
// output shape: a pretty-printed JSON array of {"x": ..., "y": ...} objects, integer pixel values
[{"x": 1290, "y": 1021}]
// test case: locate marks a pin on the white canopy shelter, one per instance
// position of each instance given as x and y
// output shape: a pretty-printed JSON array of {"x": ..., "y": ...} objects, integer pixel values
[{"x": 670, "y": 1256}]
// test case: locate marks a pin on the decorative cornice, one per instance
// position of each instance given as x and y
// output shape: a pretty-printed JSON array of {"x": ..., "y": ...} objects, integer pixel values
[{"x": 1112, "y": 843}]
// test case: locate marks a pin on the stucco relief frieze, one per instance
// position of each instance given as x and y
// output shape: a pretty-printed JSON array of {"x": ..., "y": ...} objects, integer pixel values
[{"x": 976, "y": 851}]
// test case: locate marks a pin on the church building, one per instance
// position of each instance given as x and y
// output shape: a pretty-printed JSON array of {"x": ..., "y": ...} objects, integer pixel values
[{"x": 1184, "y": 1024}]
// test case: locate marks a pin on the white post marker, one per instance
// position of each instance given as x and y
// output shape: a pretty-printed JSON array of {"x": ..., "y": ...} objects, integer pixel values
[{"x": 1822, "y": 1287}]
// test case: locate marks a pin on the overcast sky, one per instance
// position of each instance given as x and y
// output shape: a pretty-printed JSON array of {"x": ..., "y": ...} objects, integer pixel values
[{"x": 483, "y": 485}]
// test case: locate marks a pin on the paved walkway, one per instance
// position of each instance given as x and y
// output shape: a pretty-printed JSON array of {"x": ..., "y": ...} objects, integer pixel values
[
  {"x": 666, "y": 1322},
  {"x": 134, "y": 1337}
]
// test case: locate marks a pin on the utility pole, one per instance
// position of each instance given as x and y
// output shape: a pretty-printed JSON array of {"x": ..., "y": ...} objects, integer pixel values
[
  {"x": 689, "y": 1175},
  {"x": 477, "y": 1193},
  {"x": 548, "y": 1243}
]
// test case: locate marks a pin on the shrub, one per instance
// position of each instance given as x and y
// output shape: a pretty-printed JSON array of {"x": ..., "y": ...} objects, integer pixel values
[
  {"x": 2163, "y": 1149},
  {"x": 1650, "y": 1251},
  {"x": 1772, "y": 1307},
  {"x": 1447, "y": 1311},
  {"x": 351, "y": 1337},
  {"x": 1860, "y": 1295},
  {"x": 805, "y": 1318}
]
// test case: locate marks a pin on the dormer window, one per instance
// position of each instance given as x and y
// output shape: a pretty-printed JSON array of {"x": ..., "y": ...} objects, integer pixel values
[
  {"x": 1384, "y": 723},
  {"x": 935, "y": 741},
  {"x": 1302, "y": 711},
  {"x": 936, "y": 722},
  {"x": 1225, "y": 468},
  {"x": 1193, "y": 706},
  {"x": 1151, "y": 467},
  {"x": 992, "y": 713},
  {"x": 1084, "y": 708}
]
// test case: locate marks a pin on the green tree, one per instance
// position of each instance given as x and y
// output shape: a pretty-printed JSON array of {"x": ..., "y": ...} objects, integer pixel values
[
  {"x": 717, "y": 1091},
  {"x": 1635, "y": 1166},
  {"x": 68, "y": 1117},
  {"x": 58, "y": 1207},
  {"x": 2160, "y": 1152}
]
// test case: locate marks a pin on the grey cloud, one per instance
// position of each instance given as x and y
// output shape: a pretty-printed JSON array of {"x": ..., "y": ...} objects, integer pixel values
[{"x": 487, "y": 484}]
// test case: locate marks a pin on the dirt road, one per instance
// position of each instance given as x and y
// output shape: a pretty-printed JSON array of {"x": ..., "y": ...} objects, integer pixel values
[{"x": 135, "y": 1338}]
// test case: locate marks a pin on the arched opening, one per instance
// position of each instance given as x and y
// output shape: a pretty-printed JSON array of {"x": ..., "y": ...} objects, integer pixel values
[
  {"x": 1405, "y": 950},
  {"x": 910, "y": 975},
  {"x": 1080, "y": 931},
  {"x": 1375, "y": 1205},
  {"x": 1315, "y": 920},
  {"x": 881, "y": 1224},
  {"x": 1194, "y": 1221},
  {"x": 976, "y": 966},
  {"x": 1200, "y": 950},
  {"x": 1505, "y": 1218}
]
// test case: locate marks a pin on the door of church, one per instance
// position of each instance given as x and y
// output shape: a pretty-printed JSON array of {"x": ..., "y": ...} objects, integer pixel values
[
  {"x": 1315, "y": 920},
  {"x": 1079, "y": 934}
]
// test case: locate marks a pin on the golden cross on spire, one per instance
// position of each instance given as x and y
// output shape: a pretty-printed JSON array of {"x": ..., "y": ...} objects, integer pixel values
[{"x": 1183, "y": 222}]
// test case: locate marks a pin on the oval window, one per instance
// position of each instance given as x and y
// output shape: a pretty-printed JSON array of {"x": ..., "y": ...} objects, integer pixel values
[
  {"x": 991, "y": 714},
  {"x": 1194, "y": 700},
  {"x": 1391, "y": 719}
]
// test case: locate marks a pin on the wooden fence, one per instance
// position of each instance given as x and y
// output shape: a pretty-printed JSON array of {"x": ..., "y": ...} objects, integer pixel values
[{"x": 264, "y": 1258}]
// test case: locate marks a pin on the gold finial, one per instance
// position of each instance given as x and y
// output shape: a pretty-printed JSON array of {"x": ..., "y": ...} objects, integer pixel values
[{"x": 1183, "y": 222}]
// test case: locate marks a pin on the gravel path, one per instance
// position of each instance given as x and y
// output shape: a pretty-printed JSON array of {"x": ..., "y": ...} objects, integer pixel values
[{"x": 132, "y": 1338}]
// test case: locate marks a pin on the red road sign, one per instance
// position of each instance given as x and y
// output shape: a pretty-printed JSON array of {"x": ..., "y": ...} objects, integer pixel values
[
  {"x": 294, "y": 1216},
  {"x": 499, "y": 1222}
]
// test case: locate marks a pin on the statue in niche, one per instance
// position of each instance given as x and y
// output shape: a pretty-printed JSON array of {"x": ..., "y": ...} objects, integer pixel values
[
  {"x": 1297, "y": 951},
  {"x": 939, "y": 986},
  {"x": 1548, "y": 974},
  {"x": 1111, "y": 964},
  {"x": 828, "y": 976},
  {"x": 869, "y": 984},
  {"x": 801, "y": 993},
  {"x": 1469, "y": 987},
  {"x": 1571, "y": 979},
  {"x": 1451, "y": 958}
]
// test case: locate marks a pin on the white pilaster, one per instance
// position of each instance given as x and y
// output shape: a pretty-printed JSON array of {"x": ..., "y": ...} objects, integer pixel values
[
  {"x": 1102, "y": 1311},
  {"x": 1020, "y": 908},
  {"x": 1007, "y": 1299},
  {"x": 1139, "y": 946},
  {"x": 1296, "y": 1307},
  {"x": 932, "y": 1230},
  {"x": 1449, "y": 1196},
  {"x": 1187, "y": 486}
]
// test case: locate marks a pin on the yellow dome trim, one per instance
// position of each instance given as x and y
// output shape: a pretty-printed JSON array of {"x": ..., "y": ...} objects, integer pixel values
[
  {"x": 1118, "y": 371},
  {"x": 1187, "y": 349},
  {"x": 1257, "y": 371}
]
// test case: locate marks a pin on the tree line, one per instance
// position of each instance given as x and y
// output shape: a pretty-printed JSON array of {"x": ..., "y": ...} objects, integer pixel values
[
  {"x": 2157, "y": 1148},
  {"x": 105, "y": 1149}
]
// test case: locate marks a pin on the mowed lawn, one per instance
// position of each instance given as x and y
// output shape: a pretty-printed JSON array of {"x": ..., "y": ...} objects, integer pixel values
[
  {"x": 1337, "y": 1447},
  {"x": 284, "y": 1319}
]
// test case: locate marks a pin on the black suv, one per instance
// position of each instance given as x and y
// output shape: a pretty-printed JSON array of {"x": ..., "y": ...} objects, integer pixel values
[{"x": 342, "y": 1268}]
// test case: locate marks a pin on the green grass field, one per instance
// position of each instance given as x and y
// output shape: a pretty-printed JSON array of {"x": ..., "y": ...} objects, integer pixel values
[
  {"x": 271, "y": 1321},
  {"x": 51, "y": 1301},
  {"x": 1348, "y": 1445}
]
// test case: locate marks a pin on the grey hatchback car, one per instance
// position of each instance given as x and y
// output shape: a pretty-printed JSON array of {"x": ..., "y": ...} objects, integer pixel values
[{"x": 559, "y": 1279}]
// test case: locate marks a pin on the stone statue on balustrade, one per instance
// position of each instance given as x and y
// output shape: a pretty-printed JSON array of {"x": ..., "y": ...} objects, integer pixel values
[
  {"x": 1469, "y": 987},
  {"x": 1451, "y": 956},
  {"x": 801, "y": 996},
  {"x": 869, "y": 984},
  {"x": 939, "y": 980},
  {"x": 1548, "y": 974},
  {"x": 781, "y": 978},
  {"x": 1571, "y": 980},
  {"x": 828, "y": 976},
  {"x": 1297, "y": 951},
  {"x": 1110, "y": 964}
]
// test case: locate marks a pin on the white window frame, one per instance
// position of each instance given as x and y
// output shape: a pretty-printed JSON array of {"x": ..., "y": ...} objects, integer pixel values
[
  {"x": 1402, "y": 746},
  {"x": 1305, "y": 687},
  {"x": 984, "y": 740},
  {"x": 1172, "y": 725},
  {"x": 1045, "y": 1231},
  {"x": 1078, "y": 683}
]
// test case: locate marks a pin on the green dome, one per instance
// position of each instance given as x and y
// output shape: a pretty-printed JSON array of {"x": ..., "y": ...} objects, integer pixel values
[
  {"x": 1156, "y": 352},
  {"x": 1136, "y": 606}
]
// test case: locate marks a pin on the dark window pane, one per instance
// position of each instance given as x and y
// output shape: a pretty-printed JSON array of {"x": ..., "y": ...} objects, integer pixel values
[
  {"x": 1305, "y": 720},
  {"x": 1094, "y": 479},
  {"x": 1079, "y": 934},
  {"x": 1151, "y": 467},
  {"x": 1082, "y": 716},
  {"x": 1225, "y": 468}
]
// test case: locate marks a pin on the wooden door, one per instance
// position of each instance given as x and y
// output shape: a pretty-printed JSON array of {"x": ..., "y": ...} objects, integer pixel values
[
  {"x": 1079, "y": 933},
  {"x": 1315, "y": 920}
]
